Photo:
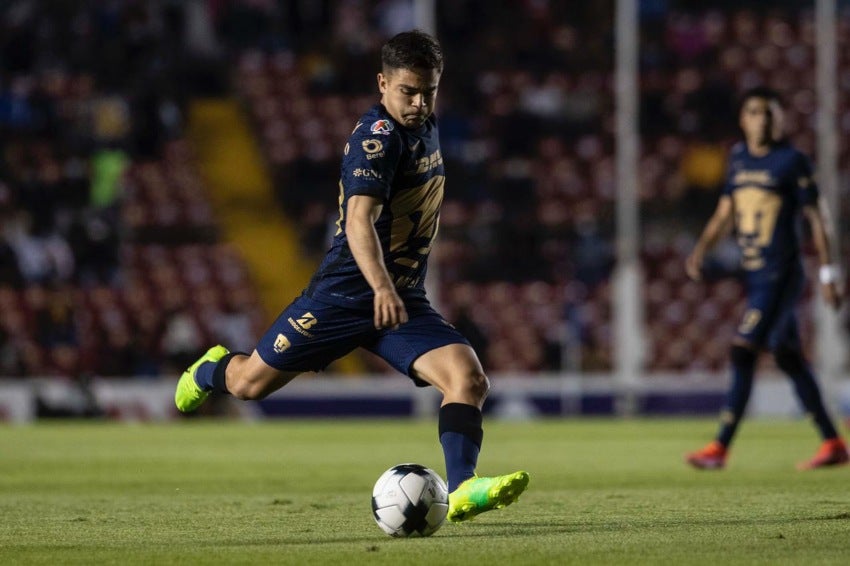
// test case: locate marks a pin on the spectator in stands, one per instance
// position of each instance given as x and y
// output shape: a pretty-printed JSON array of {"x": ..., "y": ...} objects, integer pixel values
[
  {"x": 42, "y": 258},
  {"x": 55, "y": 318},
  {"x": 10, "y": 273},
  {"x": 233, "y": 323},
  {"x": 182, "y": 340},
  {"x": 118, "y": 352}
]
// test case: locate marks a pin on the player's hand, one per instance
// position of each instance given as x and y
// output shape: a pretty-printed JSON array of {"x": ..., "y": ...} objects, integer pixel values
[
  {"x": 832, "y": 295},
  {"x": 693, "y": 265},
  {"x": 389, "y": 309}
]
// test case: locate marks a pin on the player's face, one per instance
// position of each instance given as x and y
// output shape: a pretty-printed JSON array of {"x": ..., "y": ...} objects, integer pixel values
[
  {"x": 409, "y": 95},
  {"x": 761, "y": 121}
]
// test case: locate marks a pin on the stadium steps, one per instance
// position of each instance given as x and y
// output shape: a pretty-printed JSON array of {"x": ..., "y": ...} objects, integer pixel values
[{"x": 240, "y": 189}]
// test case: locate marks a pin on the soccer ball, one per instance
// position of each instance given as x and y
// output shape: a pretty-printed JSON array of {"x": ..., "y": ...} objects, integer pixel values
[{"x": 410, "y": 500}]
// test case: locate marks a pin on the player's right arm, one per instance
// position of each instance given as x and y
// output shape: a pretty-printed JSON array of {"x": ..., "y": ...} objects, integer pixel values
[
  {"x": 817, "y": 216},
  {"x": 361, "y": 212},
  {"x": 819, "y": 226},
  {"x": 717, "y": 226}
]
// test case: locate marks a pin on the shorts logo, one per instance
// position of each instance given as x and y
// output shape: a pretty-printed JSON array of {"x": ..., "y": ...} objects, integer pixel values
[
  {"x": 307, "y": 320},
  {"x": 302, "y": 323},
  {"x": 383, "y": 127},
  {"x": 281, "y": 344},
  {"x": 751, "y": 319}
]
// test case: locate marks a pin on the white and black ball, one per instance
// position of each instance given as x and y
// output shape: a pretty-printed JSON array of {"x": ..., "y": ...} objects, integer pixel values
[{"x": 410, "y": 500}]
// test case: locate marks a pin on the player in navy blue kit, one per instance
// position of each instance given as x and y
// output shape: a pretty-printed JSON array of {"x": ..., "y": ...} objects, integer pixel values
[
  {"x": 369, "y": 290},
  {"x": 768, "y": 187}
]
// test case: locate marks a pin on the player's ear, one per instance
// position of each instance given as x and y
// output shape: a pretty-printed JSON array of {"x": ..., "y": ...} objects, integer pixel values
[{"x": 382, "y": 83}]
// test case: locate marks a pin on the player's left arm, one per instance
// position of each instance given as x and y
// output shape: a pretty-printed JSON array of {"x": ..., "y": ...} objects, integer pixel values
[{"x": 828, "y": 274}]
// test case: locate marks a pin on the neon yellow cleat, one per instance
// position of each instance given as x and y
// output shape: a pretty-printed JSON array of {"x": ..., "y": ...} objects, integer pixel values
[
  {"x": 477, "y": 495},
  {"x": 188, "y": 395}
]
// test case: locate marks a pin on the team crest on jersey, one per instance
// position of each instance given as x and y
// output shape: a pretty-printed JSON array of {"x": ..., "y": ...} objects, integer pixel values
[{"x": 383, "y": 127}]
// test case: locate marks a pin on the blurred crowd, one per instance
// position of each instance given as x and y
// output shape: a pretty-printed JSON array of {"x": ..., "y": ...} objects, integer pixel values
[
  {"x": 100, "y": 207},
  {"x": 92, "y": 106},
  {"x": 527, "y": 132}
]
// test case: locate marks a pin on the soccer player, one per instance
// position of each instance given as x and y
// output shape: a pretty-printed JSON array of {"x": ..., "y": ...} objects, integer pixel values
[
  {"x": 369, "y": 290},
  {"x": 769, "y": 185}
]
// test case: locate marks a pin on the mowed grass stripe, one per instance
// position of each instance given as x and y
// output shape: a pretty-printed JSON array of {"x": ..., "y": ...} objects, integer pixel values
[{"x": 297, "y": 492}]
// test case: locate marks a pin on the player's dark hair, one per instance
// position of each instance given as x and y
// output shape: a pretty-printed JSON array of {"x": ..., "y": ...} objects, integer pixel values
[
  {"x": 763, "y": 92},
  {"x": 412, "y": 50}
]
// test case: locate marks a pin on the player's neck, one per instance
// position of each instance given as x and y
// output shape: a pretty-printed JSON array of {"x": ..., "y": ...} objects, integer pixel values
[{"x": 759, "y": 148}]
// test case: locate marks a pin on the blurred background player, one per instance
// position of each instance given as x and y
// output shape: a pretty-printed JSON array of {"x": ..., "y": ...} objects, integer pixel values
[
  {"x": 369, "y": 290},
  {"x": 769, "y": 182}
]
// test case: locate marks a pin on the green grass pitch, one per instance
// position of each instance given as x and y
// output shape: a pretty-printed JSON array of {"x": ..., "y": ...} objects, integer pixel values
[{"x": 298, "y": 492}]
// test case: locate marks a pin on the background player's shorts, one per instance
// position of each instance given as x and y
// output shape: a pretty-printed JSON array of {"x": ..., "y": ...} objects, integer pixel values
[
  {"x": 309, "y": 335},
  {"x": 770, "y": 319}
]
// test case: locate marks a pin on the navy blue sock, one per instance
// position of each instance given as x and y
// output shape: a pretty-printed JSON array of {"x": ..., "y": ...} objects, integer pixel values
[
  {"x": 743, "y": 367},
  {"x": 794, "y": 364},
  {"x": 204, "y": 375},
  {"x": 210, "y": 376},
  {"x": 461, "y": 435}
]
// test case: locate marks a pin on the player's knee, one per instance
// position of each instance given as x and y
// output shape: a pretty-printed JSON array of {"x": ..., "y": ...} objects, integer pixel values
[
  {"x": 742, "y": 356},
  {"x": 478, "y": 385},
  {"x": 789, "y": 360}
]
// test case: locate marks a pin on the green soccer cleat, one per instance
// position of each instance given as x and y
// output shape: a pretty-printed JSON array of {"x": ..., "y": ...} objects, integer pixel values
[
  {"x": 188, "y": 395},
  {"x": 477, "y": 495}
]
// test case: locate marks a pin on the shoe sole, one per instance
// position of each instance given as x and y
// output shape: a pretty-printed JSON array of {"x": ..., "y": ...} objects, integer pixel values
[
  {"x": 839, "y": 461},
  {"x": 705, "y": 465}
]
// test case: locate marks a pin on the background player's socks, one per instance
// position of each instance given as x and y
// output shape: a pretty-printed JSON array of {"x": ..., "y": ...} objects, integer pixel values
[
  {"x": 743, "y": 367},
  {"x": 794, "y": 364},
  {"x": 461, "y": 435}
]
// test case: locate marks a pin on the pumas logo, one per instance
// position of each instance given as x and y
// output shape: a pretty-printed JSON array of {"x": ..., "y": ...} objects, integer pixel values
[
  {"x": 383, "y": 127},
  {"x": 302, "y": 323},
  {"x": 281, "y": 344}
]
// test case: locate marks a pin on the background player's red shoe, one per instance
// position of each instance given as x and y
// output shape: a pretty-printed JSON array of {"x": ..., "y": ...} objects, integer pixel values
[
  {"x": 710, "y": 457},
  {"x": 832, "y": 452}
]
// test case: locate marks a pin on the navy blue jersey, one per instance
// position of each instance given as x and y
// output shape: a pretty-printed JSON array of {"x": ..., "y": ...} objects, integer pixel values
[
  {"x": 768, "y": 193},
  {"x": 404, "y": 169}
]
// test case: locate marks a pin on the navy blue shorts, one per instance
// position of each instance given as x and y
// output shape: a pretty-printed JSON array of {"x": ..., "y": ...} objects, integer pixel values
[
  {"x": 309, "y": 335},
  {"x": 770, "y": 320}
]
